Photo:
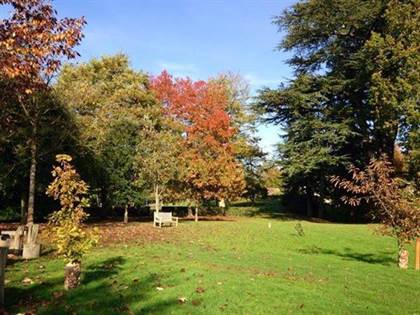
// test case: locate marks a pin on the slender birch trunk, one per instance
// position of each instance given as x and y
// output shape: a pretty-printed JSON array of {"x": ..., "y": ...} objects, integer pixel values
[
  {"x": 126, "y": 214},
  {"x": 32, "y": 179},
  {"x": 23, "y": 207}
]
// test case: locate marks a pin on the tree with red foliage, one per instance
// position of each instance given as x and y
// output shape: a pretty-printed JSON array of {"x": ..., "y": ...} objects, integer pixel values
[{"x": 210, "y": 169}]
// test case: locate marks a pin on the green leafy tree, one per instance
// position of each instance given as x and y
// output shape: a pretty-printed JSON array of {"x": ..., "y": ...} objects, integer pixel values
[
  {"x": 118, "y": 156},
  {"x": 158, "y": 164},
  {"x": 395, "y": 84},
  {"x": 55, "y": 126},
  {"x": 66, "y": 229},
  {"x": 111, "y": 104},
  {"x": 272, "y": 177}
]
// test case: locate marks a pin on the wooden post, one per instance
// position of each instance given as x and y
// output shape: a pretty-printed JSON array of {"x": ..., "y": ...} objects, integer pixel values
[
  {"x": 4, "y": 246},
  {"x": 418, "y": 254}
]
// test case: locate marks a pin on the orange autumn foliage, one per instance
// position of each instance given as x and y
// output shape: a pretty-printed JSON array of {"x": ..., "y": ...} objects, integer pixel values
[
  {"x": 200, "y": 107},
  {"x": 33, "y": 42}
]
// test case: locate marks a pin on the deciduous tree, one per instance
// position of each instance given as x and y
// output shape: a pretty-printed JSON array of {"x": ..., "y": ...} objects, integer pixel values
[
  {"x": 395, "y": 202},
  {"x": 112, "y": 106},
  {"x": 211, "y": 171},
  {"x": 158, "y": 158},
  {"x": 33, "y": 43}
]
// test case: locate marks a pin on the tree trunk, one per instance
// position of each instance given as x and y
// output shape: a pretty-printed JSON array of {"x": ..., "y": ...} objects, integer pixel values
[
  {"x": 4, "y": 246},
  {"x": 126, "y": 214},
  {"x": 190, "y": 214},
  {"x": 309, "y": 209},
  {"x": 104, "y": 203},
  {"x": 196, "y": 214},
  {"x": 23, "y": 208},
  {"x": 32, "y": 180},
  {"x": 321, "y": 197},
  {"x": 403, "y": 259},
  {"x": 157, "y": 198},
  {"x": 72, "y": 275}
]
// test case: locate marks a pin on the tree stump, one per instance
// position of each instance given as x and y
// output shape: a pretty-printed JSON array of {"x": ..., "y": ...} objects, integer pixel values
[
  {"x": 72, "y": 273},
  {"x": 403, "y": 261},
  {"x": 4, "y": 247}
]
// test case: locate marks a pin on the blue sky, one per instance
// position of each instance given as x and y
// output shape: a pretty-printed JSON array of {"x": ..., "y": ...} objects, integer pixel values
[{"x": 196, "y": 38}]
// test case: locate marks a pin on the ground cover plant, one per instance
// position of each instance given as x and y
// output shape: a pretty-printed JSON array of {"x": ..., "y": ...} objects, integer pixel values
[{"x": 235, "y": 266}]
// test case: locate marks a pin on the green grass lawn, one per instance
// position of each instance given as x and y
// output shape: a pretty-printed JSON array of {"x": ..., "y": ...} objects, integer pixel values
[{"x": 226, "y": 267}]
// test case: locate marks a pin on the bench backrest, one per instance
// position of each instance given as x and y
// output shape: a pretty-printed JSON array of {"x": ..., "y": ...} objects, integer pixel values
[{"x": 163, "y": 215}]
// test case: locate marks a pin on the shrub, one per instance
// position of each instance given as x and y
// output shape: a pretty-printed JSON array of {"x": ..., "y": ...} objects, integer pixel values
[
  {"x": 65, "y": 225},
  {"x": 395, "y": 202}
]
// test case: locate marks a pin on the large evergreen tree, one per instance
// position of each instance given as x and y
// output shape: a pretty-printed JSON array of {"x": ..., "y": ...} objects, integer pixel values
[{"x": 355, "y": 87}]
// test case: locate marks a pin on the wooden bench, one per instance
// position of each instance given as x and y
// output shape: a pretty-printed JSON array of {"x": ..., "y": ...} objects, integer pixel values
[
  {"x": 16, "y": 238},
  {"x": 162, "y": 218}
]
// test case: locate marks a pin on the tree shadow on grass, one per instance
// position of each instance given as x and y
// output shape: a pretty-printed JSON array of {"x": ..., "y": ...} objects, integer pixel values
[
  {"x": 384, "y": 257},
  {"x": 101, "y": 292}
]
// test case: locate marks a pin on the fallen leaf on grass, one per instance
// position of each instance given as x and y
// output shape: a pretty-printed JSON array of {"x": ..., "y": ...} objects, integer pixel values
[
  {"x": 159, "y": 288},
  {"x": 182, "y": 300},
  {"x": 196, "y": 302},
  {"x": 27, "y": 281},
  {"x": 200, "y": 290}
]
